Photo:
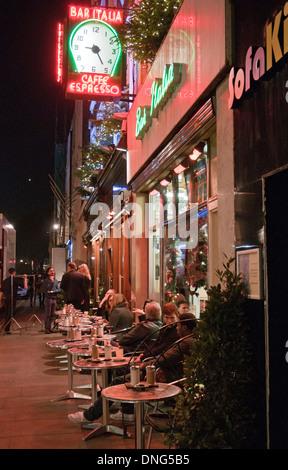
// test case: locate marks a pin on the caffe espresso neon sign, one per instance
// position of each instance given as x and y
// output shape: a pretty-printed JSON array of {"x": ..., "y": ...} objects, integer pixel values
[
  {"x": 161, "y": 91},
  {"x": 261, "y": 60}
]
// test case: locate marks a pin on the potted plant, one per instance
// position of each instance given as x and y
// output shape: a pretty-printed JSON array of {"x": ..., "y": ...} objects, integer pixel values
[{"x": 213, "y": 412}]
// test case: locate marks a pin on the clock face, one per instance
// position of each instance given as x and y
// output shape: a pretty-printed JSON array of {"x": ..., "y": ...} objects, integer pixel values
[{"x": 95, "y": 48}]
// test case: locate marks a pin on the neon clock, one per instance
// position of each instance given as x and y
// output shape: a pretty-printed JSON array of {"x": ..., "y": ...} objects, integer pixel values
[
  {"x": 94, "y": 54},
  {"x": 95, "y": 47}
]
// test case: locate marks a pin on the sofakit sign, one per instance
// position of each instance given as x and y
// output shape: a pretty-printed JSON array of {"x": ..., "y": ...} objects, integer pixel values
[{"x": 260, "y": 60}]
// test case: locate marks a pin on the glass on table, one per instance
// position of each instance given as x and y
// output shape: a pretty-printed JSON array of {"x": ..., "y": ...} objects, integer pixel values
[{"x": 119, "y": 353}]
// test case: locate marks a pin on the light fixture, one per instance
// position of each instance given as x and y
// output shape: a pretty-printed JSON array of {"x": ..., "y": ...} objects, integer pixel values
[
  {"x": 165, "y": 181},
  {"x": 197, "y": 151},
  {"x": 154, "y": 192},
  {"x": 179, "y": 168}
]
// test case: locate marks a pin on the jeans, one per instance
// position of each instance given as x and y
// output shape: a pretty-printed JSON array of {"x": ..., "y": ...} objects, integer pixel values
[
  {"x": 50, "y": 307},
  {"x": 96, "y": 410}
]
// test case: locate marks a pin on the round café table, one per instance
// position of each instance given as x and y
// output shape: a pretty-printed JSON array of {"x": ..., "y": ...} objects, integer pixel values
[
  {"x": 83, "y": 351},
  {"x": 104, "y": 366},
  {"x": 66, "y": 345},
  {"x": 122, "y": 394}
]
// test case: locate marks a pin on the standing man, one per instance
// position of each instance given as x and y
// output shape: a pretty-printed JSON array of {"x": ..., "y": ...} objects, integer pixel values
[
  {"x": 73, "y": 285},
  {"x": 51, "y": 289},
  {"x": 9, "y": 288}
]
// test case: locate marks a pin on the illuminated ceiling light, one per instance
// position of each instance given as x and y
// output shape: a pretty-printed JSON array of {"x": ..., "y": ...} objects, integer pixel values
[
  {"x": 165, "y": 181},
  {"x": 197, "y": 151},
  {"x": 154, "y": 192},
  {"x": 179, "y": 169}
]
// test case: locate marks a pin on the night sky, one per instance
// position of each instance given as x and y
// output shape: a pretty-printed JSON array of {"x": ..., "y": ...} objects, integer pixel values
[{"x": 28, "y": 97}]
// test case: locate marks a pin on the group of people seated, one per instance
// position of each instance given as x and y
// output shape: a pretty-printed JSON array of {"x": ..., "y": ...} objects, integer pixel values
[{"x": 163, "y": 338}]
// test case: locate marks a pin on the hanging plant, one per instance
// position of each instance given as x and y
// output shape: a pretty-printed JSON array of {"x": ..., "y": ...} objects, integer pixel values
[
  {"x": 107, "y": 125},
  {"x": 94, "y": 157},
  {"x": 146, "y": 27},
  {"x": 94, "y": 160}
]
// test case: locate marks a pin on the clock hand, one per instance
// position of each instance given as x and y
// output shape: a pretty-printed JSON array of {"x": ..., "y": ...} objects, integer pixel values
[{"x": 95, "y": 50}]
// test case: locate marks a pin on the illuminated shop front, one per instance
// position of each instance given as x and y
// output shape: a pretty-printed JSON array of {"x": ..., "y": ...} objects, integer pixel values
[
  {"x": 177, "y": 142},
  {"x": 176, "y": 267}
]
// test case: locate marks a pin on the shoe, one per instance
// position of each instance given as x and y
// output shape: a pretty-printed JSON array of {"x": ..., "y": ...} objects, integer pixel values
[
  {"x": 47, "y": 332},
  {"x": 79, "y": 418},
  {"x": 7, "y": 332},
  {"x": 129, "y": 418}
]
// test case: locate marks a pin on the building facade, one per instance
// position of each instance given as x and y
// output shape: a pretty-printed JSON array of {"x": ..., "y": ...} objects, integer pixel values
[
  {"x": 259, "y": 108},
  {"x": 206, "y": 156},
  {"x": 180, "y": 158}
]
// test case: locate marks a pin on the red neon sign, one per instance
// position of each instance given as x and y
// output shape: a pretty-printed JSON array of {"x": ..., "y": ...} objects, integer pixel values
[
  {"x": 104, "y": 14},
  {"x": 60, "y": 53},
  {"x": 93, "y": 85},
  {"x": 94, "y": 53}
]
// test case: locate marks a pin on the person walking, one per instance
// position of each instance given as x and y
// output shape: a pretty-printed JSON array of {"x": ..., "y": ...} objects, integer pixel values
[
  {"x": 73, "y": 286},
  {"x": 51, "y": 288},
  {"x": 9, "y": 288}
]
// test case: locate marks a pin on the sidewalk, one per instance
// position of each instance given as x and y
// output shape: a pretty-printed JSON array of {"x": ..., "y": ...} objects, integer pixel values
[{"x": 31, "y": 376}]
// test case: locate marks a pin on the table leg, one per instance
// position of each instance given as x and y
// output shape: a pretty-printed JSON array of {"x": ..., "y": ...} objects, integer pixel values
[
  {"x": 70, "y": 392},
  {"x": 97, "y": 428},
  {"x": 140, "y": 428}
]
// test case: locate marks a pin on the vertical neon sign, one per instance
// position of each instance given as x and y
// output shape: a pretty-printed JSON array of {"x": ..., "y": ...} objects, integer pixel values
[{"x": 60, "y": 33}]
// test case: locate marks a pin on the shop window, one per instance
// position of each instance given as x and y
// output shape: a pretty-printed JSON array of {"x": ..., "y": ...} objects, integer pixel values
[
  {"x": 183, "y": 264},
  {"x": 186, "y": 267},
  {"x": 212, "y": 166},
  {"x": 168, "y": 194},
  {"x": 155, "y": 206},
  {"x": 200, "y": 178},
  {"x": 183, "y": 192}
]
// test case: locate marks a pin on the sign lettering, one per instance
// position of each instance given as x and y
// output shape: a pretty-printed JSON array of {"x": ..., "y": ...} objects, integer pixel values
[
  {"x": 161, "y": 91},
  {"x": 260, "y": 60}
]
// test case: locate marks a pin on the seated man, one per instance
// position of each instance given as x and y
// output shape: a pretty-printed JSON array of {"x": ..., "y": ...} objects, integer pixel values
[
  {"x": 182, "y": 306},
  {"x": 144, "y": 329},
  {"x": 170, "y": 360},
  {"x": 167, "y": 335}
]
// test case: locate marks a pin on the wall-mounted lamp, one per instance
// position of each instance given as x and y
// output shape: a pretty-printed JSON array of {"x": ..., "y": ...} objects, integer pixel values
[
  {"x": 166, "y": 181},
  {"x": 179, "y": 168},
  {"x": 197, "y": 151},
  {"x": 154, "y": 192}
]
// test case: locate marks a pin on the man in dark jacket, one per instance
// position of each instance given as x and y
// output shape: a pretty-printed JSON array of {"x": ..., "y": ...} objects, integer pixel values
[
  {"x": 168, "y": 334},
  {"x": 73, "y": 285},
  {"x": 144, "y": 329},
  {"x": 170, "y": 362}
]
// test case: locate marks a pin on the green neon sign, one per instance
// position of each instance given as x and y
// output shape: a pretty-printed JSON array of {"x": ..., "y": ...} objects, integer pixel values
[{"x": 161, "y": 91}]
